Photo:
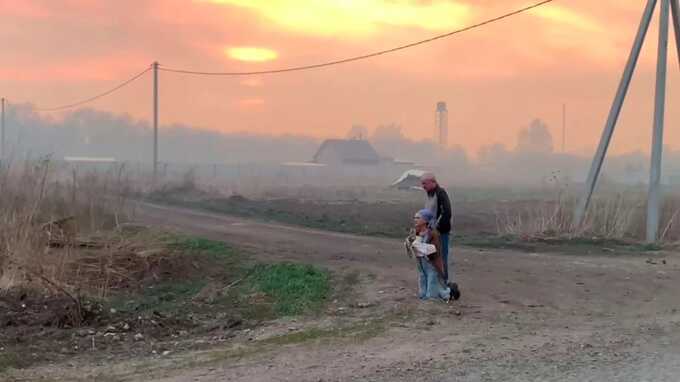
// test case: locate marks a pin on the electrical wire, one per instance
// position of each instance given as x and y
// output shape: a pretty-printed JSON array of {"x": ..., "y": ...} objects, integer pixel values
[
  {"x": 362, "y": 57},
  {"x": 296, "y": 68},
  {"x": 96, "y": 97}
]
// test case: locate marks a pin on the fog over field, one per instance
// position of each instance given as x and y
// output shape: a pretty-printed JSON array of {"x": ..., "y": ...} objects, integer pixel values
[{"x": 534, "y": 157}]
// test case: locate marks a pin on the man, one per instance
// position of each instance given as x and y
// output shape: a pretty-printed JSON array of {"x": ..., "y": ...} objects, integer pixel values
[{"x": 437, "y": 201}]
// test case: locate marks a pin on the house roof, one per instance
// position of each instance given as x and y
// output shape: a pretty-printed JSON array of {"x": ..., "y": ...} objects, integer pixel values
[{"x": 349, "y": 151}]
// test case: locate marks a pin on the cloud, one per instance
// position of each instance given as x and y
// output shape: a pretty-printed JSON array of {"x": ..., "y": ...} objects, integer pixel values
[
  {"x": 495, "y": 78},
  {"x": 356, "y": 17},
  {"x": 567, "y": 17},
  {"x": 570, "y": 31},
  {"x": 23, "y": 8},
  {"x": 100, "y": 68}
]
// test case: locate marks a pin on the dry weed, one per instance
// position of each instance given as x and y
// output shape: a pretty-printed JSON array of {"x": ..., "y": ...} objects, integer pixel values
[
  {"x": 620, "y": 216},
  {"x": 46, "y": 208}
]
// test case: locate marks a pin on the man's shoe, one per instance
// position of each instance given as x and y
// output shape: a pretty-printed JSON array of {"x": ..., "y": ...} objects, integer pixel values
[{"x": 455, "y": 292}]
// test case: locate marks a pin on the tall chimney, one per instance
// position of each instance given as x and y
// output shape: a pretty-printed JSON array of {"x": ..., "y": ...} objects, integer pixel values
[{"x": 442, "y": 124}]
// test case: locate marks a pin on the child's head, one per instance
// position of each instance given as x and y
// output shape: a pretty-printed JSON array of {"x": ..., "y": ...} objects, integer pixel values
[{"x": 422, "y": 218}]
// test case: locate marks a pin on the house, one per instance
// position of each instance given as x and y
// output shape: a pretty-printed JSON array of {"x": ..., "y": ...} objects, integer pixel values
[{"x": 347, "y": 152}]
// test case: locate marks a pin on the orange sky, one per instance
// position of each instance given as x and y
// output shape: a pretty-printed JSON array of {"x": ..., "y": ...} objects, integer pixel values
[{"x": 495, "y": 79}]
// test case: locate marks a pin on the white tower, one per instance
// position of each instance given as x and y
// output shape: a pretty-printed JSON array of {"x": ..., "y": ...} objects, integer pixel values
[{"x": 442, "y": 124}]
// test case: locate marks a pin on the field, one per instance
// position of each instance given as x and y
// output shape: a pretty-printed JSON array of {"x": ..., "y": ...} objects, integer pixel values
[
  {"x": 186, "y": 284},
  {"x": 529, "y": 220}
]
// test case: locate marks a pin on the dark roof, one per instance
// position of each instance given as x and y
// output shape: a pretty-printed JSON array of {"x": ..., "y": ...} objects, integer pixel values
[{"x": 351, "y": 151}]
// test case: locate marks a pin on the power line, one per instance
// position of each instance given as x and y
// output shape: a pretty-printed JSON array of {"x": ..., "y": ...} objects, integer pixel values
[
  {"x": 296, "y": 68},
  {"x": 362, "y": 57},
  {"x": 96, "y": 97}
]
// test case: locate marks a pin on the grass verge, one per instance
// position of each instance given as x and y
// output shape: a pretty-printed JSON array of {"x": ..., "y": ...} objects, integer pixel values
[
  {"x": 295, "y": 288},
  {"x": 224, "y": 279}
]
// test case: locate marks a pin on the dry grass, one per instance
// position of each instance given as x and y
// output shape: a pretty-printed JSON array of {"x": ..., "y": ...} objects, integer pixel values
[
  {"x": 612, "y": 215},
  {"x": 52, "y": 219}
]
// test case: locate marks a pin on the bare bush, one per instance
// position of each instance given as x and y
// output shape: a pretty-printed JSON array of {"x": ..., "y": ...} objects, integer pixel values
[{"x": 46, "y": 208}]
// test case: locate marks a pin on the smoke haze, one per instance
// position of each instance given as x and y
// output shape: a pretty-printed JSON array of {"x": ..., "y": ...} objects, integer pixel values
[{"x": 530, "y": 160}]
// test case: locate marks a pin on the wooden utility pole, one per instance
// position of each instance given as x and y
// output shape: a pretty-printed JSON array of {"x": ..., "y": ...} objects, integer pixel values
[
  {"x": 155, "y": 122},
  {"x": 2, "y": 129},
  {"x": 564, "y": 128}
]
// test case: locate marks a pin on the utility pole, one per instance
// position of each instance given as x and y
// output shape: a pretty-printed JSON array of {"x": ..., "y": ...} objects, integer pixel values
[
  {"x": 564, "y": 127},
  {"x": 675, "y": 15},
  {"x": 2, "y": 128},
  {"x": 614, "y": 113},
  {"x": 654, "y": 196},
  {"x": 155, "y": 121}
]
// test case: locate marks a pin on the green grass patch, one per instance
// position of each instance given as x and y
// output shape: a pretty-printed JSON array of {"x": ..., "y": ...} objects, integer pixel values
[
  {"x": 294, "y": 288},
  {"x": 232, "y": 283}
]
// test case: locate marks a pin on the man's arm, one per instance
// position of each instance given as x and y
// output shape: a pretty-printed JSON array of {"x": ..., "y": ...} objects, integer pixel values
[{"x": 444, "y": 206}]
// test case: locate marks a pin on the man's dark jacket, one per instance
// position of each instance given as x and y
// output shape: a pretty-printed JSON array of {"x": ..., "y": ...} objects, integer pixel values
[{"x": 443, "y": 210}]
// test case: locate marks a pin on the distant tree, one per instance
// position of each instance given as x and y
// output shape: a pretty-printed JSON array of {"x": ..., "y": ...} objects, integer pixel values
[
  {"x": 535, "y": 139},
  {"x": 388, "y": 133}
]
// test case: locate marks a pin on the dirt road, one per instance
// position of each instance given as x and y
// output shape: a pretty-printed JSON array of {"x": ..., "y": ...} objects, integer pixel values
[{"x": 522, "y": 317}]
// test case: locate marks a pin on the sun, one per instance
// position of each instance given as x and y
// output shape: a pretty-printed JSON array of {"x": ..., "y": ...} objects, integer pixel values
[{"x": 251, "y": 54}]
